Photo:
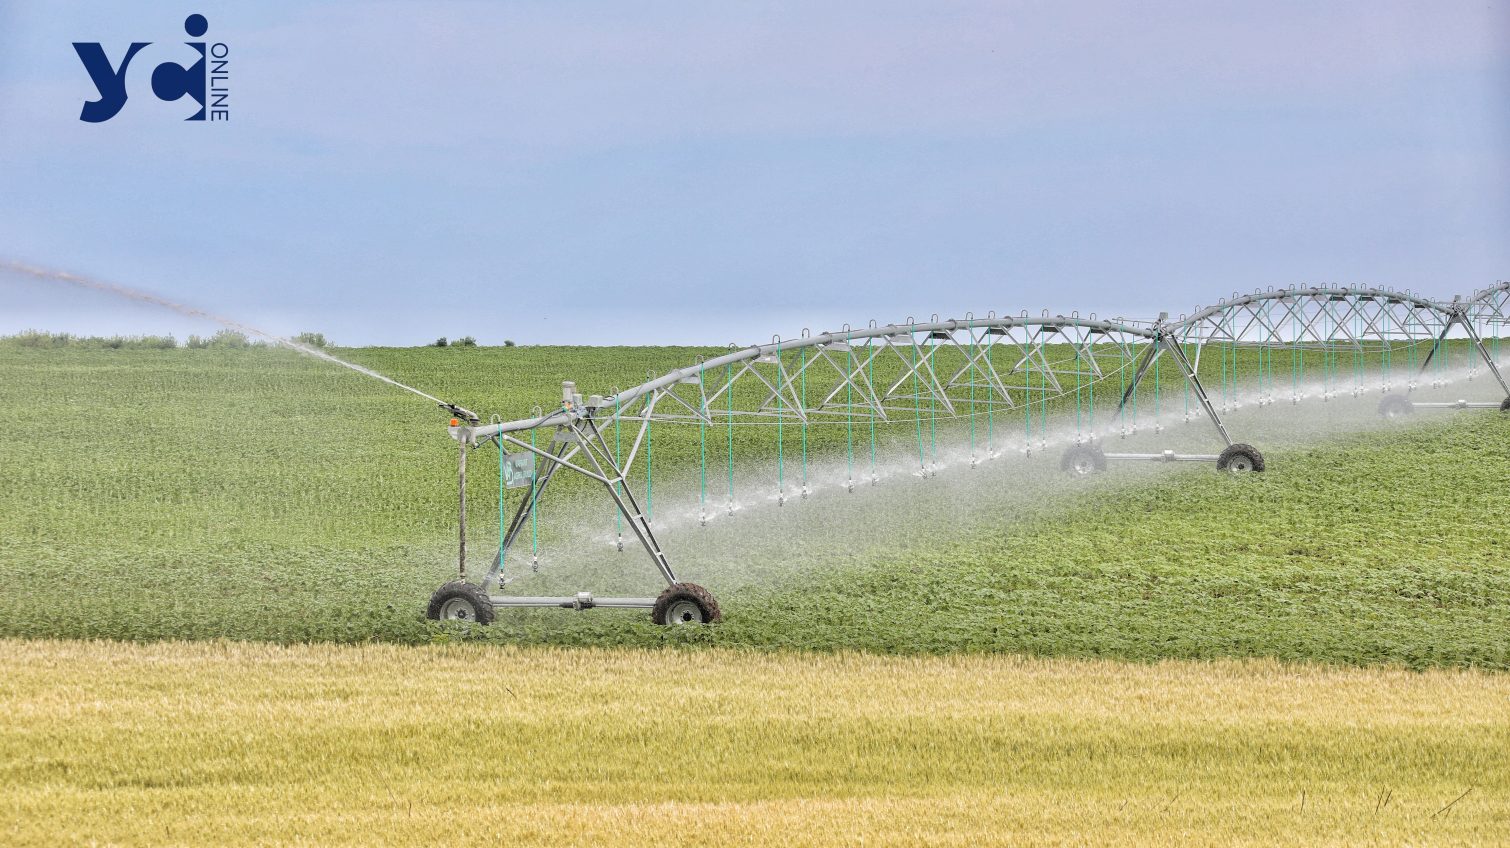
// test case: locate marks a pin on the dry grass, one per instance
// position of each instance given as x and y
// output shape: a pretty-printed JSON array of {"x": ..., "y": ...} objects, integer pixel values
[{"x": 230, "y": 744}]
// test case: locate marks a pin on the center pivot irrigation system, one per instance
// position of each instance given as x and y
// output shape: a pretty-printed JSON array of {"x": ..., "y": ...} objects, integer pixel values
[{"x": 980, "y": 374}]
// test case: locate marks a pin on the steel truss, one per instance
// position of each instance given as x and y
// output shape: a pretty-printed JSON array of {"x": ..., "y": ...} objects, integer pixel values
[{"x": 956, "y": 368}]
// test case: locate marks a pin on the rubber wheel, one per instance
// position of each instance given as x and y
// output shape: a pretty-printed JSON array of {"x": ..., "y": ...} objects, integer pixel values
[
  {"x": 1083, "y": 460},
  {"x": 458, "y": 601},
  {"x": 1505, "y": 405},
  {"x": 685, "y": 603},
  {"x": 1395, "y": 406},
  {"x": 1240, "y": 458}
]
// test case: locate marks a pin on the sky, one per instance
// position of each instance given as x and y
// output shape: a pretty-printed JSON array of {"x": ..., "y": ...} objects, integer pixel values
[{"x": 685, "y": 172}]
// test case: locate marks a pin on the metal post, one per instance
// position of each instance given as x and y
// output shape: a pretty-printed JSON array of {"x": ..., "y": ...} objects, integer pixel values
[
  {"x": 628, "y": 506},
  {"x": 461, "y": 488},
  {"x": 1178, "y": 354}
]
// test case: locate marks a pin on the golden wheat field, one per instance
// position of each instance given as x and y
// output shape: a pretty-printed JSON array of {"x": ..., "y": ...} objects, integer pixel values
[{"x": 253, "y": 744}]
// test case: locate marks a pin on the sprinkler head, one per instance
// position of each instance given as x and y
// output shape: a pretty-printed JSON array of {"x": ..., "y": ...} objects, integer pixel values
[{"x": 461, "y": 412}]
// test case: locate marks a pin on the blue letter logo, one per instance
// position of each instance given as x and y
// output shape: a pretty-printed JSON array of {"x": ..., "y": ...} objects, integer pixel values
[
  {"x": 110, "y": 83},
  {"x": 170, "y": 80}
]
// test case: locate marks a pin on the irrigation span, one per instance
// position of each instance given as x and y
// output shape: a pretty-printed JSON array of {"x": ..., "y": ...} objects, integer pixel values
[{"x": 851, "y": 390}]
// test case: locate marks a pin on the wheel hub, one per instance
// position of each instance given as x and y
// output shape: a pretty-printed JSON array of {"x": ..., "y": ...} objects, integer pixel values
[
  {"x": 684, "y": 612},
  {"x": 456, "y": 609}
]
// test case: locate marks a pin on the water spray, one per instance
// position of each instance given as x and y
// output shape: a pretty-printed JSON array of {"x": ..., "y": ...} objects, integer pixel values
[{"x": 140, "y": 296}]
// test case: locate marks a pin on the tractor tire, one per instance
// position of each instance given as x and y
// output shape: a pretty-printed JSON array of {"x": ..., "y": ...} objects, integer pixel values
[
  {"x": 1083, "y": 460},
  {"x": 1396, "y": 406},
  {"x": 685, "y": 603},
  {"x": 1240, "y": 458},
  {"x": 459, "y": 601}
]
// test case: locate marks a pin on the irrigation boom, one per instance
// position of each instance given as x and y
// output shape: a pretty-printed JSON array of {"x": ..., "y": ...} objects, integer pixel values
[{"x": 920, "y": 373}]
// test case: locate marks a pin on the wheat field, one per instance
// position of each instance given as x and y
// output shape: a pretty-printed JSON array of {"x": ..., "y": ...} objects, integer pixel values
[{"x": 225, "y": 743}]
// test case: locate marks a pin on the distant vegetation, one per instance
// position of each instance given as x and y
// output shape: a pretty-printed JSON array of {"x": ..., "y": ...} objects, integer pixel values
[
  {"x": 38, "y": 339},
  {"x": 221, "y": 339}
]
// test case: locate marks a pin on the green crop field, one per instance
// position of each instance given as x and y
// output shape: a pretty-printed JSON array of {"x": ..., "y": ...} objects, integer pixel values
[{"x": 257, "y": 494}]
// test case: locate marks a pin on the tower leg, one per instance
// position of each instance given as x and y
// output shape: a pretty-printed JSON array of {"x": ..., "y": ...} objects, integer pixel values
[
  {"x": 1177, "y": 353},
  {"x": 629, "y": 507}
]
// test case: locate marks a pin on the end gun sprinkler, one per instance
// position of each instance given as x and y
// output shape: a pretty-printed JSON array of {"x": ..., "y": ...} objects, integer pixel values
[{"x": 461, "y": 412}]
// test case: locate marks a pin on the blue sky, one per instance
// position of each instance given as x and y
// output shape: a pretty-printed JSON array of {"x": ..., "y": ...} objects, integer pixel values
[{"x": 572, "y": 172}]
